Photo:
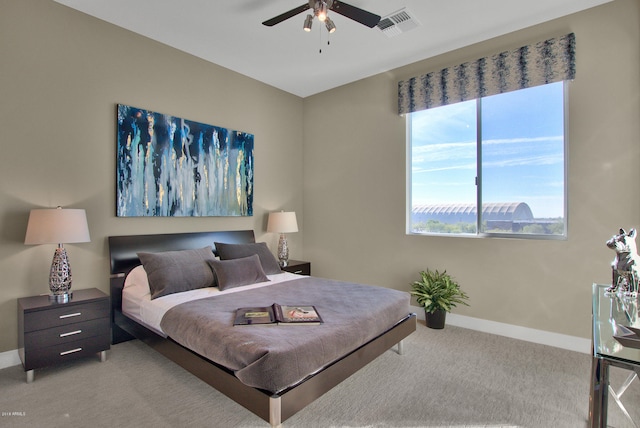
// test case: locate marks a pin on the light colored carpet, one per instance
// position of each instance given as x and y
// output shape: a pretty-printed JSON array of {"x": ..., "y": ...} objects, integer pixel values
[{"x": 447, "y": 378}]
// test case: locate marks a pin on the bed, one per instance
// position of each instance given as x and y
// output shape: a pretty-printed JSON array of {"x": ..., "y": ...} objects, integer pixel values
[{"x": 286, "y": 367}]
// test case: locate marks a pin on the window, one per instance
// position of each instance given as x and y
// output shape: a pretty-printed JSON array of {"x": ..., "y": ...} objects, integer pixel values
[{"x": 504, "y": 153}]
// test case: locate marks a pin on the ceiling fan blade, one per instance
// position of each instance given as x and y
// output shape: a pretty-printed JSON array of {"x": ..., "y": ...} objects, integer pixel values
[
  {"x": 293, "y": 12},
  {"x": 359, "y": 15}
]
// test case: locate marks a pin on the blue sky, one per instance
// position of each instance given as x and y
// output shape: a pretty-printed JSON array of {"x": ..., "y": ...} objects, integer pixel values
[{"x": 522, "y": 151}]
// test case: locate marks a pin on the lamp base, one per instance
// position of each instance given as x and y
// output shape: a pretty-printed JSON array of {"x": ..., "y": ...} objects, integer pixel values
[
  {"x": 283, "y": 251},
  {"x": 60, "y": 276},
  {"x": 61, "y": 298}
]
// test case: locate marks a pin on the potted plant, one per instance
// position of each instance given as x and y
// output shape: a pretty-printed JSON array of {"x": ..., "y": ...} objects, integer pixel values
[{"x": 437, "y": 292}]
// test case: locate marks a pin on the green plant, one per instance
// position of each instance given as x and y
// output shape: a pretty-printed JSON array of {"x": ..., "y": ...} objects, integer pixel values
[{"x": 438, "y": 290}]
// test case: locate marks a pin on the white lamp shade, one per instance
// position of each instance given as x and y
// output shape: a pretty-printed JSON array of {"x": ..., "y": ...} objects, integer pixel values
[
  {"x": 282, "y": 222},
  {"x": 57, "y": 226}
]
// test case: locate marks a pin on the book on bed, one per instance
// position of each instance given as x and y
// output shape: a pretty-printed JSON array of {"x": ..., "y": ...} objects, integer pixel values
[{"x": 278, "y": 314}]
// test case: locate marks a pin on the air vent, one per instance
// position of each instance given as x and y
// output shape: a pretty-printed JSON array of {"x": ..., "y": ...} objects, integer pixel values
[{"x": 398, "y": 22}]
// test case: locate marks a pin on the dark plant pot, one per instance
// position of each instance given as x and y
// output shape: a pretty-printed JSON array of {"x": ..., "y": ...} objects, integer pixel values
[{"x": 435, "y": 319}]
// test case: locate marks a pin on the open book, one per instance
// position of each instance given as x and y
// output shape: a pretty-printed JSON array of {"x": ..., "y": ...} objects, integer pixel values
[{"x": 278, "y": 314}]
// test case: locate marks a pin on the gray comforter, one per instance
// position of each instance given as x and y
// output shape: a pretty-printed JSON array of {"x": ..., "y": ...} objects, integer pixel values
[{"x": 274, "y": 357}]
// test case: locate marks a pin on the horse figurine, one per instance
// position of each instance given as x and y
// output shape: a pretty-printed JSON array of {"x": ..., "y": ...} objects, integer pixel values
[{"x": 626, "y": 266}]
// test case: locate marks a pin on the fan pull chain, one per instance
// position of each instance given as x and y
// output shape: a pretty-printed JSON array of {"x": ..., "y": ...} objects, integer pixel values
[{"x": 328, "y": 42}]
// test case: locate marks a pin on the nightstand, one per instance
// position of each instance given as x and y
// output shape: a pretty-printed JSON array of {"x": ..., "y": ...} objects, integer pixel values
[
  {"x": 298, "y": 266},
  {"x": 50, "y": 333}
]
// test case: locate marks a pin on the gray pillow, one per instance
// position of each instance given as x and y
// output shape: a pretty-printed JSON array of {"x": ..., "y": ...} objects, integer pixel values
[
  {"x": 238, "y": 272},
  {"x": 235, "y": 251},
  {"x": 176, "y": 271}
]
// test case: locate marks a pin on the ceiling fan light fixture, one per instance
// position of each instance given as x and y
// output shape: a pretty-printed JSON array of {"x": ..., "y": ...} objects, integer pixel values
[
  {"x": 331, "y": 27},
  {"x": 308, "y": 22}
]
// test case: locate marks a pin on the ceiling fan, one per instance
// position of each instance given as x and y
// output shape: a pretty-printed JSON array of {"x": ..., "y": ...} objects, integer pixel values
[{"x": 320, "y": 9}]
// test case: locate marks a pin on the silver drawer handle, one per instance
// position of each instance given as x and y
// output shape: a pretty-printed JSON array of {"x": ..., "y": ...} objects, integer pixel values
[
  {"x": 298, "y": 271},
  {"x": 71, "y": 333},
  {"x": 71, "y": 351},
  {"x": 77, "y": 314}
]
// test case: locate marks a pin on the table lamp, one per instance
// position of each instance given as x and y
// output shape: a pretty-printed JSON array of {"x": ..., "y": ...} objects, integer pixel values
[
  {"x": 58, "y": 226},
  {"x": 282, "y": 222}
]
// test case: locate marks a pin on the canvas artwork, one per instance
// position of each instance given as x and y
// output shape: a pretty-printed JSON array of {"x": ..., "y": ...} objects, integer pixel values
[{"x": 169, "y": 166}]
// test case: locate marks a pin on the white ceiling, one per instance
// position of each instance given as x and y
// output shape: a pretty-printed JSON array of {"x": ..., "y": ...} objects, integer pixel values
[{"x": 229, "y": 33}]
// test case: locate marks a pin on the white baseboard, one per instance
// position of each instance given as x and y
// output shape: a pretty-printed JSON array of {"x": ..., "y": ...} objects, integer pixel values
[
  {"x": 9, "y": 359},
  {"x": 571, "y": 343},
  {"x": 563, "y": 341}
]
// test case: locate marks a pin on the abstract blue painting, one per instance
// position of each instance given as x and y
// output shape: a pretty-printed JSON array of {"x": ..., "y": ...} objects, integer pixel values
[{"x": 168, "y": 166}]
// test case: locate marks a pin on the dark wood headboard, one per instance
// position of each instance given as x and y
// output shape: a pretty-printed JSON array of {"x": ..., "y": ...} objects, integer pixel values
[
  {"x": 123, "y": 252},
  {"x": 123, "y": 249}
]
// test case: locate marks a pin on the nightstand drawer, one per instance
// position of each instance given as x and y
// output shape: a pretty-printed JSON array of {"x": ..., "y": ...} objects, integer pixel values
[
  {"x": 65, "y": 352},
  {"x": 67, "y": 333},
  {"x": 65, "y": 314}
]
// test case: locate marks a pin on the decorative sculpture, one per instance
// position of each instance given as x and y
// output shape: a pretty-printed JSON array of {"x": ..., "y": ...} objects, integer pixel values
[{"x": 626, "y": 266}]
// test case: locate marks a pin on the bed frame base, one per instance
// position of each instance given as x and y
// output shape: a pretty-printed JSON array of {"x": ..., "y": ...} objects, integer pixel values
[{"x": 273, "y": 408}]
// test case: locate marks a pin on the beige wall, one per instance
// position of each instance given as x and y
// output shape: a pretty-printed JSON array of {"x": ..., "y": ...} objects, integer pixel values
[
  {"x": 61, "y": 75},
  {"x": 354, "y": 195}
]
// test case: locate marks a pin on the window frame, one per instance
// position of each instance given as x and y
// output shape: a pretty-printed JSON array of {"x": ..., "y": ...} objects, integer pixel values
[{"x": 479, "y": 233}]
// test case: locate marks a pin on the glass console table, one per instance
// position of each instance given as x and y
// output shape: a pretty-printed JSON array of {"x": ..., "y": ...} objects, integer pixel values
[{"x": 610, "y": 314}]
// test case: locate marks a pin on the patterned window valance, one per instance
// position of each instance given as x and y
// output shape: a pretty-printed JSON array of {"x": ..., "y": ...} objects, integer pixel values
[{"x": 545, "y": 62}]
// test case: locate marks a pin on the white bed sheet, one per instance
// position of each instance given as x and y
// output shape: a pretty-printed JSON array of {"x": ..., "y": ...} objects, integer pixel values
[{"x": 137, "y": 303}]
